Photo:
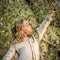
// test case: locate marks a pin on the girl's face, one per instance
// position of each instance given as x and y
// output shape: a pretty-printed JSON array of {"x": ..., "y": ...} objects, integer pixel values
[{"x": 27, "y": 29}]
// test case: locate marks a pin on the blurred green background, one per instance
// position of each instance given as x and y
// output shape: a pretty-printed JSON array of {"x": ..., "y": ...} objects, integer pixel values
[{"x": 34, "y": 11}]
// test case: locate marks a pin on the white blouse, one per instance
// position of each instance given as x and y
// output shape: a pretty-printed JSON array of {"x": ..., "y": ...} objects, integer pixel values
[{"x": 29, "y": 49}]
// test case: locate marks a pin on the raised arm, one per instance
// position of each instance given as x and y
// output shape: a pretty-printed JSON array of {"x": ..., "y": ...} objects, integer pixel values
[
  {"x": 10, "y": 53},
  {"x": 42, "y": 28}
]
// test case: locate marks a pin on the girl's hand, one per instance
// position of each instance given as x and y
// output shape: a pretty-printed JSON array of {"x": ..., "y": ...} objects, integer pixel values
[{"x": 53, "y": 12}]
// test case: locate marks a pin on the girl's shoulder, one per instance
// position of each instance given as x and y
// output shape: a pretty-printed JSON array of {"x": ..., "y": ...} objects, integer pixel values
[{"x": 16, "y": 44}]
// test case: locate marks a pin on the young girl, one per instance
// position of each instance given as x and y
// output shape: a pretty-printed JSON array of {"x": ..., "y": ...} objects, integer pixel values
[{"x": 27, "y": 47}]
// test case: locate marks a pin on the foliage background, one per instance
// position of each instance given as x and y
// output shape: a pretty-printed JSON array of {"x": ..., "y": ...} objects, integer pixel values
[{"x": 34, "y": 11}]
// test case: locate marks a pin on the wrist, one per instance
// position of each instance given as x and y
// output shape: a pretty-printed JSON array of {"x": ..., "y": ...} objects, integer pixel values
[
  {"x": 52, "y": 14},
  {"x": 48, "y": 18}
]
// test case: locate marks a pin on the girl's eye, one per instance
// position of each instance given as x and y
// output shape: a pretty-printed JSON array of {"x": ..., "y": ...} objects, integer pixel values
[{"x": 27, "y": 24}]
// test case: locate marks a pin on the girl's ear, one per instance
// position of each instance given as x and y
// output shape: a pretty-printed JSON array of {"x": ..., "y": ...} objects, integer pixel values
[{"x": 18, "y": 28}]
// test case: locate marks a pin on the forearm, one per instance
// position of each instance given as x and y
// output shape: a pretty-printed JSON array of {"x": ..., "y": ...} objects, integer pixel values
[
  {"x": 9, "y": 54},
  {"x": 43, "y": 26}
]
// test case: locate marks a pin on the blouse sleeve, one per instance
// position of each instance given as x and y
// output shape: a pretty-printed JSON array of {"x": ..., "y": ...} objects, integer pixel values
[
  {"x": 10, "y": 53},
  {"x": 42, "y": 28}
]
